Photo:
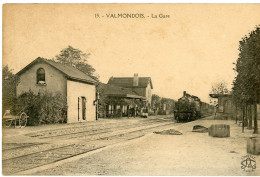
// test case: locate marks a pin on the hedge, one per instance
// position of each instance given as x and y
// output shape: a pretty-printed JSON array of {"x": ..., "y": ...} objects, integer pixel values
[{"x": 42, "y": 108}]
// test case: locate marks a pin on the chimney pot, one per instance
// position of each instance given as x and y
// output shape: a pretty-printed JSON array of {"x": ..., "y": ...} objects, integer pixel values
[{"x": 136, "y": 79}]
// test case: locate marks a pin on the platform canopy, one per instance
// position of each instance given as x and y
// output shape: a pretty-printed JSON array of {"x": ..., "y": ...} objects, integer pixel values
[{"x": 219, "y": 95}]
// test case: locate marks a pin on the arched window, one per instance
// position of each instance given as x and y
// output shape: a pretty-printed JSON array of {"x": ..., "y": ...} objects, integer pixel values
[{"x": 40, "y": 76}]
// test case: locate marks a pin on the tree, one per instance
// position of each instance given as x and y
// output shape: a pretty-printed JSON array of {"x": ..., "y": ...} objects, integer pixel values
[
  {"x": 220, "y": 88},
  {"x": 10, "y": 81},
  {"x": 246, "y": 87},
  {"x": 158, "y": 104},
  {"x": 170, "y": 104},
  {"x": 78, "y": 59},
  {"x": 155, "y": 101}
]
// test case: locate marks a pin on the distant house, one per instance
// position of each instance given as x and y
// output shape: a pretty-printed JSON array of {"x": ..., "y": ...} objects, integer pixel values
[
  {"x": 118, "y": 101},
  {"x": 226, "y": 107},
  {"x": 225, "y": 104},
  {"x": 125, "y": 96},
  {"x": 141, "y": 85},
  {"x": 43, "y": 75}
]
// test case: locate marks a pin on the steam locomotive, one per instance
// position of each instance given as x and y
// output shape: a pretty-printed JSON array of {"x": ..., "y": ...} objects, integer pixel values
[{"x": 189, "y": 108}]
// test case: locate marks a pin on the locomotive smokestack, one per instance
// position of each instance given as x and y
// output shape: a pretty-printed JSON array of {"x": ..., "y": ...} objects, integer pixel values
[{"x": 184, "y": 93}]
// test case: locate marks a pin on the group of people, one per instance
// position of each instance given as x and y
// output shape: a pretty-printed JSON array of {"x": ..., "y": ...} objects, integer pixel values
[{"x": 135, "y": 111}]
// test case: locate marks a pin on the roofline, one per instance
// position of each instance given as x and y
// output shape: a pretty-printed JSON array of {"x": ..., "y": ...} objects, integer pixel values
[
  {"x": 128, "y": 77},
  {"x": 212, "y": 95},
  {"x": 127, "y": 96},
  {"x": 80, "y": 80},
  {"x": 127, "y": 86},
  {"x": 150, "y": 80},
  {"x": 45, "y": 61},
  {"x": 135, "y": 96},
  {"x": 29, "y": 65}
]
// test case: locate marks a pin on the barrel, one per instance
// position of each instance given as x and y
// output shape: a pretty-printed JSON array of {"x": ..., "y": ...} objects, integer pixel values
[
  {"x": 253, "y": 145},
  {"x": 219, "y": 130}
]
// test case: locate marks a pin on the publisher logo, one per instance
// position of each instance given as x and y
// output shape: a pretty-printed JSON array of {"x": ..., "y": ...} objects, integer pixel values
[{"x": 248, "y": 163}]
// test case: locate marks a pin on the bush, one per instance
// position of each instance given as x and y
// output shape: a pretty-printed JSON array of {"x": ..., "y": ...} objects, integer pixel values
[{"x": 42, "y": 108}]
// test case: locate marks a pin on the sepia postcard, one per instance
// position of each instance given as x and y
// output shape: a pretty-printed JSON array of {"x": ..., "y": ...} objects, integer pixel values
[{"x": 123, "y": 89}]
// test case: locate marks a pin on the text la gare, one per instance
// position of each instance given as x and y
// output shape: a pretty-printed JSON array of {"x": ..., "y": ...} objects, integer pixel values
[{"x": 160, "y": 16}]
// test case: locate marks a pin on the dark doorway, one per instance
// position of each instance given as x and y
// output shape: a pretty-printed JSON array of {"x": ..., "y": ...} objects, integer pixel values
[{"x": 83, "y": 108}]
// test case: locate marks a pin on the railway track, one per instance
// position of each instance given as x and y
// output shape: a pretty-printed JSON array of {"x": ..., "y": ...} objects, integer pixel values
[
  {"x": 33, "y": 160},
  {"x": 41, "y": 134},
  {"x": 81, "y": 129},
  {"x": 101, "y": 130},
  {"x": 14, "y": 146},
  {"x": 60, "y": 131}
]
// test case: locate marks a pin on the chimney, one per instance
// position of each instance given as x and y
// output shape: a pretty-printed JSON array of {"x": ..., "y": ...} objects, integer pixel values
[
  {"x": 184, "y": 93},
  {"x": 136, "y": 80}
]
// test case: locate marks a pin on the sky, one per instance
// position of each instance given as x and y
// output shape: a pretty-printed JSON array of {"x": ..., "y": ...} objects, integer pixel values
[{"x": 190, "y": 51}]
